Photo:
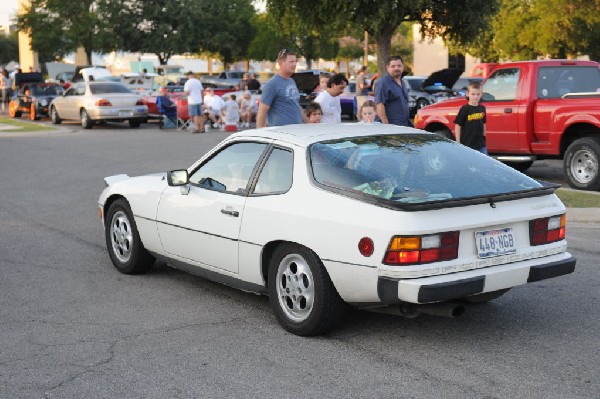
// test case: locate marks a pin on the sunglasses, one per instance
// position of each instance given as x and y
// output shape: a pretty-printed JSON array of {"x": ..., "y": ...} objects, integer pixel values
[{"x": 283, "y": 53}]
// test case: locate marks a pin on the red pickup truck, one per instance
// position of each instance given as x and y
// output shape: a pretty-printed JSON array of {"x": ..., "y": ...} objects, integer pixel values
[{"x": 535, "y": 110}]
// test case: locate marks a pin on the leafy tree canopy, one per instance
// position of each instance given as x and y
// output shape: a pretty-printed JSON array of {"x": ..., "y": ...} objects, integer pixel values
[{"x": 9, "y": 48}]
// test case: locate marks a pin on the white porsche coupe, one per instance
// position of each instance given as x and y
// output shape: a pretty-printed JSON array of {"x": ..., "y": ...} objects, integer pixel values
[{"x": 319, "y": 217}]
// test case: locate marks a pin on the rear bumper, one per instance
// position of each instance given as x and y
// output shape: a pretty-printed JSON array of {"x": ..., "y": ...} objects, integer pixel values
[
  {"x": 138, "y": 112},
  {"x": 460, "y": 285}
]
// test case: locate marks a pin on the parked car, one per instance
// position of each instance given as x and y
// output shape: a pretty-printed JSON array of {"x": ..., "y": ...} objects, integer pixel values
[
  {"x": 226, "y": 79},
  {"x": 321, "y": 216},
  {"x": 93, "y": 102},
  {"x": 33, "y": 96},
  {"x": 536, "y": 110},
  {"x": 307, "y": 82}
]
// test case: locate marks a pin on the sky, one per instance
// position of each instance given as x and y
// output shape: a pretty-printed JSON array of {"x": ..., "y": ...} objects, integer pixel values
[{"x": 8, "y": 9}]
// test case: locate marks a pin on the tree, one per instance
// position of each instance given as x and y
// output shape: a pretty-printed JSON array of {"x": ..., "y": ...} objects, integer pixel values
[
  {"x": 458, "y": 20},
  {"x": 267, "y": 41},
  {"x": 161, "y": 27},
  {"x": 9, "y": 48},
  {"x": 526, "y": 29},
  {"x": 59, "y": 27}
]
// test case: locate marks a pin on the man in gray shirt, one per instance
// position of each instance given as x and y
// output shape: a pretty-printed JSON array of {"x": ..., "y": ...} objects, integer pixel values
[{"x": 280, "y": 99}]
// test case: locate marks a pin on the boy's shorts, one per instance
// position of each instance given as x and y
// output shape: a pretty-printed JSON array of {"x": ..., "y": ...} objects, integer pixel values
[{"x": 195, "y": 109}]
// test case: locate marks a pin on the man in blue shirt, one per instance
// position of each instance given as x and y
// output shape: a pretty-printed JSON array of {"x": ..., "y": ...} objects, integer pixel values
[
  {"x": 280, "y": 98},
  {"x": 391, "y": 97}
]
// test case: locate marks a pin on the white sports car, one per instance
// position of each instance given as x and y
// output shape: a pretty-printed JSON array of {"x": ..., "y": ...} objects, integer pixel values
[{"x": 320, "y": 216}]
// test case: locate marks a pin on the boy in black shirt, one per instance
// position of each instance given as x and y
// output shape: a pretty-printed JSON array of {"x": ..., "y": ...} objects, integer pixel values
[{"x": 470, "y": 121}]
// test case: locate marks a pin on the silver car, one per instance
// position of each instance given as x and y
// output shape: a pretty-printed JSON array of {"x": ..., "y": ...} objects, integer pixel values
[{"x": 91, "y": 102}]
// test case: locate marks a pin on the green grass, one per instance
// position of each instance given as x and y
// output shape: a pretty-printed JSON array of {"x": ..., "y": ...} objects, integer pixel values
[
  {"x": 579, "y": 199},
  {"x": 22, "y": 126}
]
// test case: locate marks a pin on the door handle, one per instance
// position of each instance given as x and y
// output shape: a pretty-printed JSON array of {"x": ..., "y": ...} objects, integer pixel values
[
  {"x": 508, "y": 110},
  {"x": 230, "y": 212}
]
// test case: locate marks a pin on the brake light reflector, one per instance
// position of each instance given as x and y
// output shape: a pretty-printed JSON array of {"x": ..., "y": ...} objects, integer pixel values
[
  {"x": 366, "y": 246},
  {"x": 103, "y": 103},
  {"x": 415, "y": 250},
  {"x": 546, "y": 230}
]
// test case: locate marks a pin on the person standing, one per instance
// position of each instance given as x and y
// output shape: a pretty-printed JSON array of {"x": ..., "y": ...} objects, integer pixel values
[
  {"x": 253, "y": 83},
  {"x": 391, "y": 96},
  {"x": 313, "y": 112},
  {"x": 243, "y": 84},
  {"x": 470, "y": 121},
  {"x": 329, "y": 99},
  {"x": 193, "y": 90},
  {"x": 280, "y": 100},
  {"x": 5, "y": 88},
  {"x": 362, "y": 88}
]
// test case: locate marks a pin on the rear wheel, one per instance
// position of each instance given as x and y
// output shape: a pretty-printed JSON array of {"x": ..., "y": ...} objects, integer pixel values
[
  {"x": 301, "y": 294},
  {"x": 123, "y": 241},
  {"x": 54, "y": 116},
  {"x": 86, "y": 122},
  {"x": 581, "y": 164}
]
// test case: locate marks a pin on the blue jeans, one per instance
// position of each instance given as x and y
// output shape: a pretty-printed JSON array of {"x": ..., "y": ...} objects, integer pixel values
[{"x": 483, "y": 150}]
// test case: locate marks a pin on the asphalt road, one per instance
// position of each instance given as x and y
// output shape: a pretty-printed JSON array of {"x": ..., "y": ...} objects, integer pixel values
[{"x": 73, "y": 327}]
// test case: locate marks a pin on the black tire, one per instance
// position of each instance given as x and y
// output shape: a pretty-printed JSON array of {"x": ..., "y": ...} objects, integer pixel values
[
  {"x": 134, "y": 123},
  {"x": 123, "y": 241},
  {"x": 520, "y": 166},
  {"x": 86, "y": 122},
  {"x": 581, "y": 164},
  {"x": 445, "y": 133},
  {"x": 54, "y": 116},
  {"x": 421, "y": 102},
  {"x": 301, "y": 294},
  {"x": 485, "y": 297}
]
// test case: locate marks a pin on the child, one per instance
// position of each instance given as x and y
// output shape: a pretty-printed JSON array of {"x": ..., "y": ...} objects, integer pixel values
[
  {"x": 367, "y": 112},
  {"x": 470, "y": 121},
  {"x": 313, "y": 112},
  {"x": 231, "y": 111}
]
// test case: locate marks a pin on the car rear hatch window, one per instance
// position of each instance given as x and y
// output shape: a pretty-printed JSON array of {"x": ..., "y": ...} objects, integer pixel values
[{"x": 416, "y": 172}]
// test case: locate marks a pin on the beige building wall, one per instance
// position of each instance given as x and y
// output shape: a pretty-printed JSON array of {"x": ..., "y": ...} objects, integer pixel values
[
  {"x": 27, "y": 57},
  {"x": 432, "y": 55}
]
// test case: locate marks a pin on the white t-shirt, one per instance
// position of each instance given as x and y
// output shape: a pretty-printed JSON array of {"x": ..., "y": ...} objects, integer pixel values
[
  {"x": 194, "y": 87},
  {"x": 330, "y": 107},
  {"x": 231, "y": 109},
  {"x": 214, "y": 102}
]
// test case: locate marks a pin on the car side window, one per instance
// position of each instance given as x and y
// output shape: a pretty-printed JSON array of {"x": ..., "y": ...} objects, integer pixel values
[
  {"x": 276, "y": 175},
  {"x": 502, "y": 85},
  {"x": 230, "y": 169}
]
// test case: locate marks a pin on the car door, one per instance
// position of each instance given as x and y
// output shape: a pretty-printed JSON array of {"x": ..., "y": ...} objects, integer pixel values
[
  {"x": 505, "y": 111},
  {"x": 203, "y": 224}
]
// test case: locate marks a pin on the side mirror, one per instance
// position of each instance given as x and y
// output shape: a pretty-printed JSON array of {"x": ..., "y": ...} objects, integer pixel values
[{"x": 177, "y": 178}]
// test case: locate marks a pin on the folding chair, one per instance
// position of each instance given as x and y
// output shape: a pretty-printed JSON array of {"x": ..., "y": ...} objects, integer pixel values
[
  {"x": 168, "y": 110},
  {"x": 184, "y": 120}
]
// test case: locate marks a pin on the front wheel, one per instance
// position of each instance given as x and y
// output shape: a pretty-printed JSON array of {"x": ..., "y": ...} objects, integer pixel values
[
  {"x": 13, "y": 110},
  {"x": 301, "y": 294},
  {"x": 86, "y": 122},
  {"x": 54, "y": 116},
  {"x": 445, "y": 133},
  {"x": 581, "y": 164},
  {"x": 123, "y": 241}
]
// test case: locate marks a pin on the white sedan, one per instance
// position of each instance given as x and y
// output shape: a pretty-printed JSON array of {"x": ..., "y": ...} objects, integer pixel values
[
  {"x": 376, "y": 216},
  {"x": 102, "y": 101}
]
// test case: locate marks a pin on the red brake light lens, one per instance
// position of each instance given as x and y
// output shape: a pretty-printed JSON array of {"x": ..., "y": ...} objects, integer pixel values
[
  {"x": 546, "y": 230},
  {"x": 415, "y": 250},
  {"x": 140, "y": 102},
  {"x": 103, "y": 103}
]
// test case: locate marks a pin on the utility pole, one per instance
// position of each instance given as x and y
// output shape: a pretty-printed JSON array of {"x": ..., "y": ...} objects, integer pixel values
[{"x": 366, "y": 48}]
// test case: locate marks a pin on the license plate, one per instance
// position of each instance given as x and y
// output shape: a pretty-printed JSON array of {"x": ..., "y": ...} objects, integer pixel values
[
  {"x": 125, "y": 113},
  {"x": 495, "y": 242}
]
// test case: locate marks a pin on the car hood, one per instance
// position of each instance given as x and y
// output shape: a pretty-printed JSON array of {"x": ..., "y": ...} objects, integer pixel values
[
  {"x": 306, "y": 81},
  {"x": 447, "y": 77}
]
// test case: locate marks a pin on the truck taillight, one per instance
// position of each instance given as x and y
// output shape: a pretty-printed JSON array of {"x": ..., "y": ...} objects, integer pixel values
[
  {"x": 546, "y": 230},
  {"x": 415, "y": 250},
  {"x": 103, "y": 103}
]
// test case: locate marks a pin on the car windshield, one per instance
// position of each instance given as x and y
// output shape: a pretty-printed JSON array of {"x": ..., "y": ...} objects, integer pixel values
[
  {"x": 412, "y": 168},
  {"x": 102, "y": 88}
]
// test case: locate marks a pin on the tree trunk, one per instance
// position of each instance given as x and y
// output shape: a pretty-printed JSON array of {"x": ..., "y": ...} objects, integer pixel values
[{"x": 384, "y": 45}]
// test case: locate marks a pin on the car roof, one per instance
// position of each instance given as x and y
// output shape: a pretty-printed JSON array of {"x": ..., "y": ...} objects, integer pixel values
[{"x": 309, "y": 133}]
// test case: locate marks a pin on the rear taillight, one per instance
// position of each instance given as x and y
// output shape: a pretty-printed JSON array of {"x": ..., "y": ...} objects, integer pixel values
[
  {"x": 546, "y": 230},
  {"x": 140, "y": 102},
  {"x": 416, "y": 250},
  {"x": 103, "y": 103}
]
